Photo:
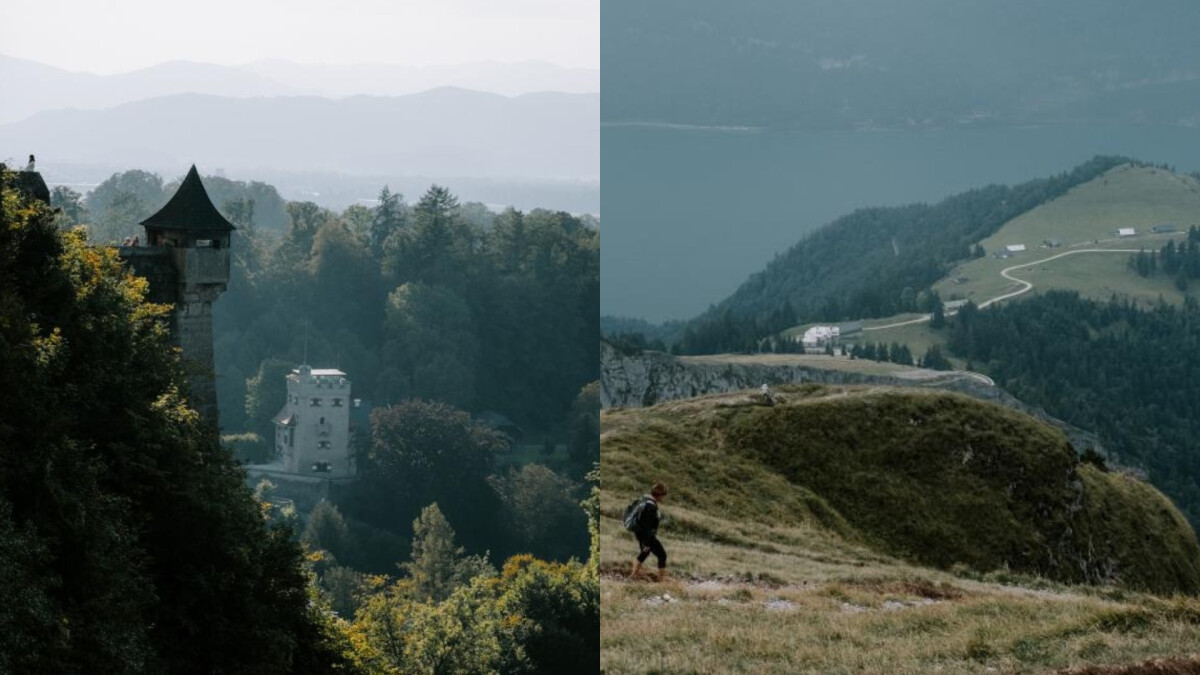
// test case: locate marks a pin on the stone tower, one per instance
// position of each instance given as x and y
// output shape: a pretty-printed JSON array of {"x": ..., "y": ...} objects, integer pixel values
[
  {"x": 312, "y": 430},
  {"x": 186, "y": 260}
]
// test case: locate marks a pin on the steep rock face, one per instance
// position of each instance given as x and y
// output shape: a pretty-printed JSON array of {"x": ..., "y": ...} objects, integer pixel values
[{"x": 642, "y": 379}]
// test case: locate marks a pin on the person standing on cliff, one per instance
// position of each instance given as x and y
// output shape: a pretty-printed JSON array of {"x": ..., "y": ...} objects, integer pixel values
[{"x": 642, "y": 518}]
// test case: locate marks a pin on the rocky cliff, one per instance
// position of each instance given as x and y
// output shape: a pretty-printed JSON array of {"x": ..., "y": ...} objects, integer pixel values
[{"x": 645, "y": 378}]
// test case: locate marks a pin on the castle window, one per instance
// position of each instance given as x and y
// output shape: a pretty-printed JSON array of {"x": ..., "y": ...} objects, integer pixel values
[
  {"x": 322, "y": 420},
  {"x": 315, "y": 402},
  {"x": 337, "y": 402},
  {"x": 323, "y": 445}
]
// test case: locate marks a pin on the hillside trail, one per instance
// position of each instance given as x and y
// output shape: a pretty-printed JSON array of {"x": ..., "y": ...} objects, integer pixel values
[
  {"x": 1006, "y": 273},
  {"x": 696, "y": 588},
  {"x": 1029, "y": 285}
]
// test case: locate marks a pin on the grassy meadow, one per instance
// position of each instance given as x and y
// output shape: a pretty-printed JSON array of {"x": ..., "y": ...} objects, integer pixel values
[
  {"x": 777, "y": 570},
  {"x": 1087, "y": 217},
  {"x": 821, "y": 361}
]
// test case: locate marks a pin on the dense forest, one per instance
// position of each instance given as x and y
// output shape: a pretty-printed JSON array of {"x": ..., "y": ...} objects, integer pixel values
[
  {"x": 1180, "y": 262},
  {"x": 905, "y": 249},
  {"x": 129, "y": 543},
  {"x": 1130, "y": 375},
  {"x": 495, "y": 305},
  {"x": 437, "y": 311}
]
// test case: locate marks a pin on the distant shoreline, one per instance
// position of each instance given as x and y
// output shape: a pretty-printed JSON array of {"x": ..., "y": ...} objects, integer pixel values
[{"x": 685, "y": 127}]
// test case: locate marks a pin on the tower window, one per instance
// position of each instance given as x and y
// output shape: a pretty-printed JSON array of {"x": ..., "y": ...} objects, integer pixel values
[
  {"x": 315, "y": 402},
  {"x": 323, "y": 445},
  {"x": 322, "y": 420},
  {"x": 337, "y": 402}
]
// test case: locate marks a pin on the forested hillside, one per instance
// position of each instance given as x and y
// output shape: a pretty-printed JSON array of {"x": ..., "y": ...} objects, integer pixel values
[
  {"x": 873, "y": 262},
  {"x": 128, "y": 542},
  {"x": 436, "y": 310},
  {"x": 435, "y": 299}
]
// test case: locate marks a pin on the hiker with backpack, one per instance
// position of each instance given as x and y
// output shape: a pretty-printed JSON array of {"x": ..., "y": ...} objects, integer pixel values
[{"x": 642, "y": 518}]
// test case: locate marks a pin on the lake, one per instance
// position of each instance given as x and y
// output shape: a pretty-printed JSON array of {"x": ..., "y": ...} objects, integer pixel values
[{"x": 690, "y": 213}]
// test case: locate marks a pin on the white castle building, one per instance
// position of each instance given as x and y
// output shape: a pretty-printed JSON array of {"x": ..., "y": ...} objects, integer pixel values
[{"x": 312, "y": 431}]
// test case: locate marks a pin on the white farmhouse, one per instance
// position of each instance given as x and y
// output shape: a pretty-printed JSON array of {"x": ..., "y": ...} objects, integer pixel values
[
  {"x": 312, "y": 431},
  {"x": 1126, "y": 232},
  {"x": 1015, "y": 248},
  {"x": 818, "y": 336}
]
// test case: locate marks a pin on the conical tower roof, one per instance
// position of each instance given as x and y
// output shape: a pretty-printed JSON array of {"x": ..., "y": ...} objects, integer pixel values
[{"x": 190, "y": 209}]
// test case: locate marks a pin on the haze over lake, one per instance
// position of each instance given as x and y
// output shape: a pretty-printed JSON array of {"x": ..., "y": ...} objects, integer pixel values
[{"x": 690, "y": 213}]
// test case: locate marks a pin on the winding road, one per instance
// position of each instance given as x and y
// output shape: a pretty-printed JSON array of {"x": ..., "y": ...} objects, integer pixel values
[
  {"x": 1026, "y": 285},
  {"x": 1005, "y": 272}
]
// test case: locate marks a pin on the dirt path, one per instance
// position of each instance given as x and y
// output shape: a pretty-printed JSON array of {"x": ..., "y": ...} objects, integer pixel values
[{"x": 1026, "y": 285}]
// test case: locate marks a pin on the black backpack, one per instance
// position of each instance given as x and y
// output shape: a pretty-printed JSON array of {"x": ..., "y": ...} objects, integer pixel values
[{"x": 633, "y": 514}]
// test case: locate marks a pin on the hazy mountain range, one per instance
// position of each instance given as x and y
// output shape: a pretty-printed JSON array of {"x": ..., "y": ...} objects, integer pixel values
[
  {"x": 872, "y": 64},
  {"x": 448, "y": 132},
  {"x": 28, "y": 87},
  {"x": 524, "y": 134}
]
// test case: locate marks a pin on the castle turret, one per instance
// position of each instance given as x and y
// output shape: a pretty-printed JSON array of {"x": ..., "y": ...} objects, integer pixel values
[{"x": 187, "y": 262}]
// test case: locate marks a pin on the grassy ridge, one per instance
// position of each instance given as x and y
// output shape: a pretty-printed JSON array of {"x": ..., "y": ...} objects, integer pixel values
[
  {"x": 786, "y": 576},
  {"x": 943, "y": 479},
  {"x": 932, "y": 477}
]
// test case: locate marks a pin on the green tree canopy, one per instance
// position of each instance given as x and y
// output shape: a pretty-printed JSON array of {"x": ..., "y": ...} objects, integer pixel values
[
  {"x": 438, "y": 566},
  {"x": 431, "y": 346},
  {"x": 143, "y": 550},
  {"x": 424, "y": 450}
]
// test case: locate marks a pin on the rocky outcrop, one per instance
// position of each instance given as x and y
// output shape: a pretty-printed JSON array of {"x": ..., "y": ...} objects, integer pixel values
[{"x": 644, "y": 378}]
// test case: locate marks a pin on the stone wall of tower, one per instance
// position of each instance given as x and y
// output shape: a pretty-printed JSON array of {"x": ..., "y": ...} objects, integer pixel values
[{"x": 191, "y": 279}]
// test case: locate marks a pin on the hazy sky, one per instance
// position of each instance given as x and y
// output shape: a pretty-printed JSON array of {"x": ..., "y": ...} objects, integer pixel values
[{"x": 119, "y": 35}]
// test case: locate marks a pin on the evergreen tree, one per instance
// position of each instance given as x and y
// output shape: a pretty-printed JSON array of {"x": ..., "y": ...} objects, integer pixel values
[
  {"x": 938, "y": 321},
  {"x": 438, "y": 566},
  {"x": 584, "y": 446},
  {"x": 386, "y": 219},
  {"x": 326, "y": 529},
  {"x": 935, "y": 359}
]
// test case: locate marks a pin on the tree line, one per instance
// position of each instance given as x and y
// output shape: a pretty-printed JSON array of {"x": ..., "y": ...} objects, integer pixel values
[
  {"x": 1179, "y": 261},
  {"x": 437, "y": 299}
]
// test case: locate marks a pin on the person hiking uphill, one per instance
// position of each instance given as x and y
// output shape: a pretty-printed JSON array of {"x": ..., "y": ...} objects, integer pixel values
[{"x": 641, "y": 518}]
